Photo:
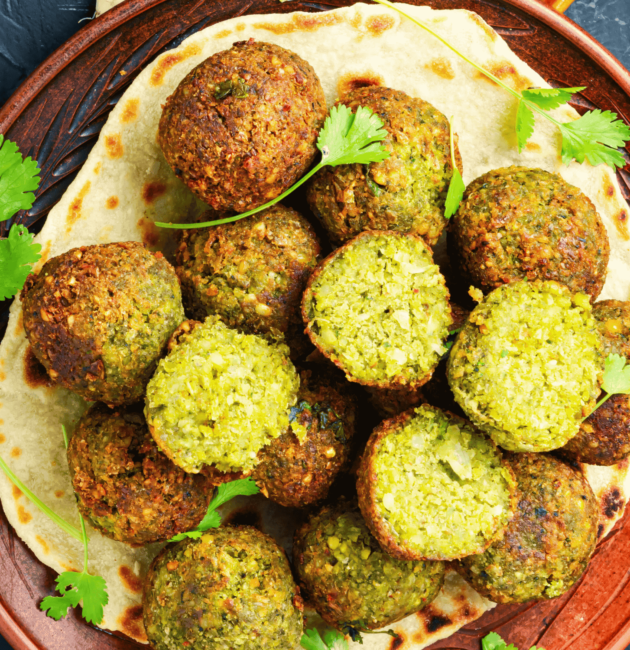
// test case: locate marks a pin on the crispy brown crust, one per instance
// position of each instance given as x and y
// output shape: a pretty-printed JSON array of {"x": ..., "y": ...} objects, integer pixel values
[
  {"x": 366, "y": 490},
  {"x": 251, "y": 273},
  {"x": 397, "y": 382},
  {"x": 407, "y": 191},
  {"x": 127, "y": 489},
  {"x": 296, "y": 474},
  {"x": 536, "y": 227},
  {"x": 83, "y": 302},
  {"x": 237, "y": 153},
  {"x": 552, "y": 535}
]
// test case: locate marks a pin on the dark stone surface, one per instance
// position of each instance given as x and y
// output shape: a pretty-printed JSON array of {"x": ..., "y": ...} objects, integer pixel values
[{"x": 30, "y": 30}]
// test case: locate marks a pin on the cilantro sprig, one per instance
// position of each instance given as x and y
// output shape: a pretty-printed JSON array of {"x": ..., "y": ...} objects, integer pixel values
[
  {"x": 76, "y": 588},
  {"x": 225, "y": 492},
  {"x": 595, "y": 136},
  {"x": 493, "y": 641},
  {"x": 346, "y": 138},
  {"x": 355, "y": 630},
  {"x": 616, "y": 379},
  {"x": 456, "y": 187},
  {"x": 19, "y": 177},
  {"x": 332, "y": 640}
]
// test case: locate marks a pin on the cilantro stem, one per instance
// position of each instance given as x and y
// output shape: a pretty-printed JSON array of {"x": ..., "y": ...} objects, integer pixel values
[
  {"x": 62, "y": 523},
  {"x": 249, "y": 213},
  {"x": 601, "y": 401}
]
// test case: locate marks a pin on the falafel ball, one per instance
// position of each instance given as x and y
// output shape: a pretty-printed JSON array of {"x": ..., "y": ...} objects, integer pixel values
[
  {"x": 298, "y": 468},
  {"x": 219, "y": 397},
  {"x": 251, "y": 273},
  {"x": 432, "y": 487},
  {"x": 604, "y": 437},
  {"x": 231, "y": 588},
  {"x": 527, "y": 364},
  {"x": 347, "y": 577},
  {"x": 548, "y": 543},
  {"x": 378, "y": 308},
  {"x": 99, "y": 317},
  {"x": 516, "y": 223},
  {"x": 406, "y": 192},
  {"x": 241, "y": 127},
  {"x": 125, "y": 486}
]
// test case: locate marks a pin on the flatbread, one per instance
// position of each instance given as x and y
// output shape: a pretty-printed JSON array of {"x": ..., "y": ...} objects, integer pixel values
[
  {"x": 125, "y": 185},
  {"x": 105, "y": 5}
]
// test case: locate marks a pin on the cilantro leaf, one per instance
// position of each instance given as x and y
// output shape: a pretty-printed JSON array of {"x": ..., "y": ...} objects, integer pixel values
[
  {"x": 75, "y": 588},
  {"x": 595, "y": 136},
  {"x": 17, "y": 254},
  {"x": 333, "y": 640},
  {"x": 311, "y": 640},
  {"x": 524, "y": 125},
  {"x": 616, "y": 375},
  {"x": 349, "y": 138},
  {"x": 493, "y": 641},
  {"x": 456, "y": 187},
  {"x": 225, "y": 492},
  {"x": 346, "y": 138},
  {"x": 549, "y": 98},
  {"x": 18, "y": 179}
]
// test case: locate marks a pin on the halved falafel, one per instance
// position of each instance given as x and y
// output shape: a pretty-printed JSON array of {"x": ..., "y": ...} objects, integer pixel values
[
  {"x": 433, "y": 487},
  {"x": 125, "y": 486},
  {"x": 378, "y": 308},
  {"x": 405, "y": 192},
  {"x": 241, "y": 127},
  {"x": 99, "y": 317},
  {"x": 526, "y": 366},
  {"x": 348, "y": 577},
  {"x": 517, "y": 223},
  {"x": 548, "y": 543}
]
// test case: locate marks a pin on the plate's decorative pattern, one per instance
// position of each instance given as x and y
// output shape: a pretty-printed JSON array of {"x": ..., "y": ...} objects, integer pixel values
[{"x": 59, "y": 126}]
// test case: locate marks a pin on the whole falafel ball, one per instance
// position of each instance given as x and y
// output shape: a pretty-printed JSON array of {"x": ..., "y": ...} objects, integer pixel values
[
  {"x": 99, "y": 317},
  {"x": 548, "y": 543},
  {"x": 298, "y": 468},
  {"x": 125, "y": 486},
  {"x": 406, "y": 192},
  {"x": 604, "y": 437},
  {"x": 241, "y": 127},
  {"x": 347, "y": 577},
  {"x": 517, "y": 223},
  {"x": 231, "y": 588},
  {"x": 251, "y": 273}
]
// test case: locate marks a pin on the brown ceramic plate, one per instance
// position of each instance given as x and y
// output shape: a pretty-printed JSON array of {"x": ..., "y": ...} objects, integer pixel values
[{"x": 55, "y": 117}]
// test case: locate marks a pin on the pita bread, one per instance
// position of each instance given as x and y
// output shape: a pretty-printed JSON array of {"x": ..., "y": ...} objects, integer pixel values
[{"x": 125, "y": 185}]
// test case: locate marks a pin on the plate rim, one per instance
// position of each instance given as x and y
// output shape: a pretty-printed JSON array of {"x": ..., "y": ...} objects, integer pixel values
[{"x": 99, "y": 27}]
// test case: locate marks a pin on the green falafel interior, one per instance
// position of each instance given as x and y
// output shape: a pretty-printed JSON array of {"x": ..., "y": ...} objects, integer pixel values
[
  {"x": 440, "y": 490},
  {"x": 219, "y": 397},
  {"x": 378, "y": 307},
  {"x": 527, "y": 365}
]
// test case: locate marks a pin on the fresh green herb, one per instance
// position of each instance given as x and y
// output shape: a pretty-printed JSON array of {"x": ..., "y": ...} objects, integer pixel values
[
  {"x": 374, "y": 187},
  {"x": 225, "y": 492},
  {"x": 455, "y": 331},
  {"x": 18, "y": 179},
  {"x": 77, "y": 587},
  {"x": 17, "y": 252},
  {"x": 456, "y": 187},
  {"x": 594, "y": 136},
  {"x": 346, "y": 138},
  {"x": 493, "y": 641},
  {"x": 239, "y": 89},
  {"x": 62, "y": 523},
  {"x": 355, "y": 630},
  {"x": 616, "y": 379},
  {"x": 333, "y": 640}
]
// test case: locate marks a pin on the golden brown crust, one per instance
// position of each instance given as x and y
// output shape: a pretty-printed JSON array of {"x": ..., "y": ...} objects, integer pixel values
[
  {"x": 98, "y": 318},
  {"x": 236, "y": 151}
]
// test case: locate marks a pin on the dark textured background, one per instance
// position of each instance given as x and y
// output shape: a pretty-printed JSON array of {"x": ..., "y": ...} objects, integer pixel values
[{"x": 30, "y": 30}]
